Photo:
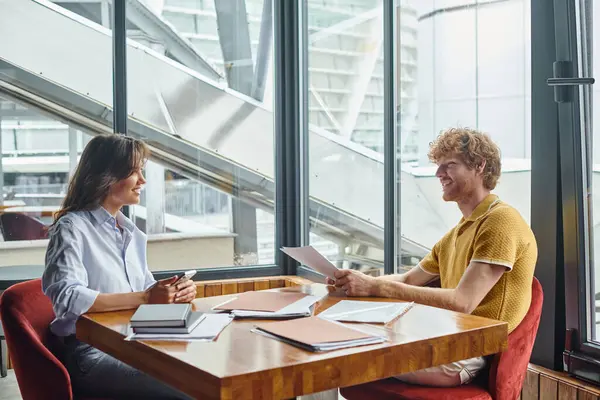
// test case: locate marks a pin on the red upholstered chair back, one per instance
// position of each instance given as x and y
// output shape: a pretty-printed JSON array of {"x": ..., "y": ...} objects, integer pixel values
[
  {"x": 17, "y": 226},
  {"x": 508, "y": 369},
  {"x": 26, "y": 314}
]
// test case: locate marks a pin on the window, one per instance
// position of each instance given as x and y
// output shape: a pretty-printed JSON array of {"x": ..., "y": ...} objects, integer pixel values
[
  {"x": 209, "y": 100},
  {"x": 460, "y": 65},
  {"x": 38, "y": 156},
  {"x": 60, "y": 51},
  {"x": 346, "y": 169}
]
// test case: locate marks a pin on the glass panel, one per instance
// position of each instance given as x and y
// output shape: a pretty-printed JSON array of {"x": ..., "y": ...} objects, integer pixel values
[
  {"x": 345, "y": 66},
  {"x": 53, "y": 45},
  {"x": 38, "y": 154},
  {"x": 200, "y": 78},
  {"x": 588, "y": 39},
  {"x": 455, "y": 71}
]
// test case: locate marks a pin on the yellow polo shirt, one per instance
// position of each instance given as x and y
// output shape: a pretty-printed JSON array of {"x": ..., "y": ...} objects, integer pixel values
[{"x": 494, "y": 233}]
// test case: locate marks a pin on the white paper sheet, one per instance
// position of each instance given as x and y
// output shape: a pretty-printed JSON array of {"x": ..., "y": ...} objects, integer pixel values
[
  {"x": 310, "y": 257},
  {"x": 365, "y": 311}
]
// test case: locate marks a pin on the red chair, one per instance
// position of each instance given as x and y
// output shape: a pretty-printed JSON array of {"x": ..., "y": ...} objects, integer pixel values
[
  {"x": 506, "y": 374},
  {"x": 26, "y": 315},
  {"x": 17, "y": 226}
]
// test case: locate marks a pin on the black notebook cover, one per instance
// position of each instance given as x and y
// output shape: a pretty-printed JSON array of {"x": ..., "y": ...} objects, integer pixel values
[{"x": 161, "y": 315}]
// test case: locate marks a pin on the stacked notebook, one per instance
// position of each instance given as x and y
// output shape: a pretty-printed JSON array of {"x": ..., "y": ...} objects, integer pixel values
[
  {"x": 317, "y": 334},
  {"x": 165, "y": 318},
  {"x": 176, "y": 322},
  {"x": 269, "y": 305}
]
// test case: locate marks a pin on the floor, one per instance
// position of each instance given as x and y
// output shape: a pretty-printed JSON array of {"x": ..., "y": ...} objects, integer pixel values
[{"x": 9, "y": 390}]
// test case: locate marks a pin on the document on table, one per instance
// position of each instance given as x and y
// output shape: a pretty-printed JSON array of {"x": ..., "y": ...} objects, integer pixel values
[
  {"x": 365, "y": 311},
  {"x": 300, "y": 308},
  {"x": 317, "y": 334},
  {"x": 207, "y": 330},
  {"x": 310, "y": 257}
]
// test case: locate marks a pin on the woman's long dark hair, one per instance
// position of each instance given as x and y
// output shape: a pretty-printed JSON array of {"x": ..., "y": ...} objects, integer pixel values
[{"x": 106, "y": 159}]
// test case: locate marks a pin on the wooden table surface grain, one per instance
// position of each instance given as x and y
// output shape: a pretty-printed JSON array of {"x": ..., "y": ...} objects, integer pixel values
[{"x": 241, "y": 364}]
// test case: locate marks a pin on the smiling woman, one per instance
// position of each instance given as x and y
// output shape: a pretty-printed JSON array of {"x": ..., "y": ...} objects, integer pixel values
[
  {"x": 96, "y": 261},
  {"x": 110, "y": 171}
]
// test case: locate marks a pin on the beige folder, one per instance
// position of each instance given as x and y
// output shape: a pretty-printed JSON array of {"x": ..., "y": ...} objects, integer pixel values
[
  {"x": 262, "y": 301},
  {"x": 313, "y": 331}
]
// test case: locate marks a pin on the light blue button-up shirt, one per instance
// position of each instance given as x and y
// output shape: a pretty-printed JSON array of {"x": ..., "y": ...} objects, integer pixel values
[{"x": 88, "y": 255}]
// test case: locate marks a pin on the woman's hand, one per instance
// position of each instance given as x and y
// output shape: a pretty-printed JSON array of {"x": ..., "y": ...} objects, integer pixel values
[
  {"x": 186, "y": 291},
  {"x": 164, "y": 292}
]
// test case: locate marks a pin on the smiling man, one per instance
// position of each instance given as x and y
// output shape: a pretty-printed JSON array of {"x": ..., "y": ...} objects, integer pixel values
[{"x": 485, "y": 263}]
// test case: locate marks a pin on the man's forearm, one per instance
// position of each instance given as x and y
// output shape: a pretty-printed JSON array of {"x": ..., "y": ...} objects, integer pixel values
[
  {"x": 393, "y": 278},
  {"x": 118, "y": 301},
  {"x": 442, "y": 298}
]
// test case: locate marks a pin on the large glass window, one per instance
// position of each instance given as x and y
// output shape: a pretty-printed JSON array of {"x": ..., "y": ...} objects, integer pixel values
[
  {"x": 345, "y": 115},
  {"x": 60, "y": 51},
  {"x": 200, "y": 92},
  {"x": 38, "y": 156},
  {"x": 460, "y": 64}
]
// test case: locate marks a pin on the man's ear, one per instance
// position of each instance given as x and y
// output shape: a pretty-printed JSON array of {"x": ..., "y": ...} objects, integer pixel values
[{"x": 481, "y": 167}]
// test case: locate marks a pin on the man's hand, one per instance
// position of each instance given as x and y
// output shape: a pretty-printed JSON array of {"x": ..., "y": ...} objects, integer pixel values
[
  {"x": 354, "y": 283},
  {"x": 164, "y": 292}
]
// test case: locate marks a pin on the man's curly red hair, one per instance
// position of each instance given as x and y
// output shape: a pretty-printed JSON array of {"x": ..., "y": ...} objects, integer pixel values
[{"x": 473, "y": 147}]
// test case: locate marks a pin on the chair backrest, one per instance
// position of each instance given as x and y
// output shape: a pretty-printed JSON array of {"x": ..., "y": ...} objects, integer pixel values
[
  {"x": 26, "y": 315},
  {"x": 508, "y": 369},
  {"x": 17, "y": 226}
]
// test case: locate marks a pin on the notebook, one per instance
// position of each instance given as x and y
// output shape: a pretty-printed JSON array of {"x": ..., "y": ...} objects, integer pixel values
[
  {"x": 317, "y": 334},
  {"x": 261, "y": 301},
  {"x": 207, "y": 330},
  {"x": 365, "y": 311},
  {"x": 161, "y": 315},
  {"x": 192, "y": 321}
]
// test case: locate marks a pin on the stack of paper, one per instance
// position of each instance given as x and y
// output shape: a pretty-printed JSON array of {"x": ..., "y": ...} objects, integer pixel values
[
  {"x": 317, "y": 334},
  {"x": 269, "y": 305},
  {"x": 207, "y": 330},
  {"x": 365, "y": 311}
]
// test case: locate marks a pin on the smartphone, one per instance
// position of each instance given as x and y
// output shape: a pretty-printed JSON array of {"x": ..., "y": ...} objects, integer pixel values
[{"x": 184, "y": 276}]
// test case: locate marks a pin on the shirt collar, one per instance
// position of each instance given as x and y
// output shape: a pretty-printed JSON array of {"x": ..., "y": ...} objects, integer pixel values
[
  {"x": 102, "y": 216},
  {"x": 483, "y": 207},
  {"x": 125, "y": 222}
]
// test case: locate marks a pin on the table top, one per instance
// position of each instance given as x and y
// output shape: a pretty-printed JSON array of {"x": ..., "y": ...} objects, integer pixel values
[{"x": 242, "y": 364}]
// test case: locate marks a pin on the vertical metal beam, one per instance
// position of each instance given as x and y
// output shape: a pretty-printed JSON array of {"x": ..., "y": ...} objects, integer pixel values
[
  {"x": 391, "y": 183},
  {"x": 72, "y": 151},
  {"x": 291, "y": 166},
  {"x": 264, "y": 51},
  {"x": 546, "y": 216},
  {"x": 119, "y": 68},
  {"x": 234, "y": 37},
  {"x": 119, "y": 33},
  {"x": 104, "y": 14},
  {"x": 155, "y": 198}
]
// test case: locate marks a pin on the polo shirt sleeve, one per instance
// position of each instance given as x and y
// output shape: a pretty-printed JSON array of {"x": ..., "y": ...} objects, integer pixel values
[
  {"x": 430, "y": 263},
  {"x": 497, "y": 240}
]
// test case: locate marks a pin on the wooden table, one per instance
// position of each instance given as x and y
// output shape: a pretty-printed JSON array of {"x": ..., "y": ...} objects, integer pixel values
[{"x": 243, "y": 365}]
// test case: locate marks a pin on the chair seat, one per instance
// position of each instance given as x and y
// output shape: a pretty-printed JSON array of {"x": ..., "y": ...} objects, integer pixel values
[{"x": 393, "y": 389}]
